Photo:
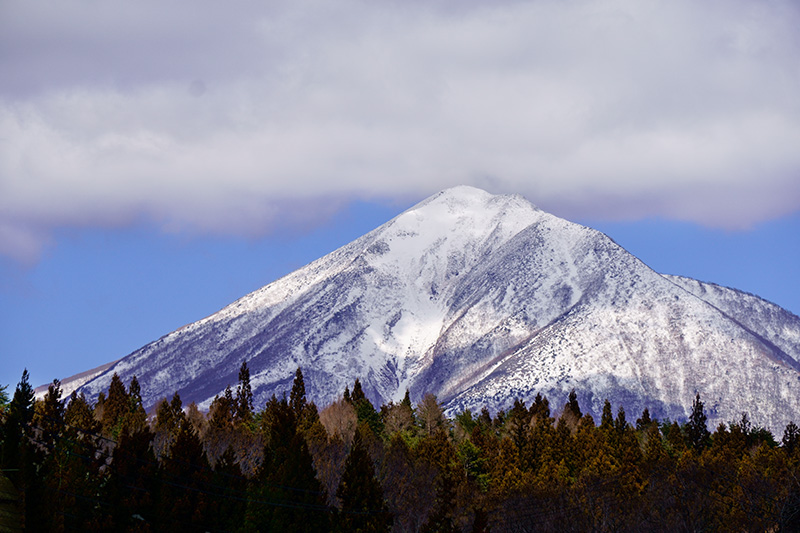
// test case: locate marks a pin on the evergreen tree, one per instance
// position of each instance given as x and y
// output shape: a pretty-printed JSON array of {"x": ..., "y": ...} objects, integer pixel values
[
  {"x": 220, "y": 433},
  {"x": 485, "y": 418},
  {"x": 437, "y": 452},
  {"x": 222, "y": 411},
  {"x": 363, "y": 506},
  {"x": 184, "y": 501},
  {"x": 607, "y": 418},
  {"x": 50, "y": 418},
  {"x": 408, "y": 485},
  {"x": 674, "y": 438},
  {"x": 20, "y": 455},
  {"x": 71, "y": 472},
  {"x": 228, "y": 510},
  {"x": 286, "y": 494},
  {"x": 791, "y": 438},
  {"x": 540, "y": 408},
  {"x": 406, "y": 402},
  {"x": 517, "y": 427},
  {"x": 22, "y": 401},
  {"x": 132, "y": 486},
  {"x": 17, "y": 452},
  {"x": 297, "y": 398},
  {"x": 244, "y": 396},
  {"x": 572, "y": 405},
  {"x": 136, "y": 417},
  {"x": 164, "y": 421},
  {"x": 3, "y": 398},
  {"x": 365, "y": 411},
  {"x": 358, "y": 393},
  {"x": 697, "y": 433},
  {"x": 620, "y": 423},
  {"x": 644, "y": 422},
  {"x": 78, "y": 415},
  {"x": 115, "y": 408},
  {"x": 169, "y": 418}
]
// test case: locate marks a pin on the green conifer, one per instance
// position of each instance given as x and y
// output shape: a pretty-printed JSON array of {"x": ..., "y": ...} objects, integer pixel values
[
  {"x": 244, "y": 396},
  {"x": 697, "y": 433},
  {"x": 297, "y": 397},
  {"x": 115, "y": 408},
  {"x": 572, "y": 405},
  {"x": 363, "y": 506}
]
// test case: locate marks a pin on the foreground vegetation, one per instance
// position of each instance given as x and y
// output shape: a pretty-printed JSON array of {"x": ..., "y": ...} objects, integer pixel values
[{"x": 289, "y": 467}]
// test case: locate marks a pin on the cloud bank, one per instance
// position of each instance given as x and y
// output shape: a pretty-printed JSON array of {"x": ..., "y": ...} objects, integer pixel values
[{"x": 248, "y": 116}]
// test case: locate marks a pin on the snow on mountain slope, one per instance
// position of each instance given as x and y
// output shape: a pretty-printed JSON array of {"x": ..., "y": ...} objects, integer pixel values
[
  {"x": 765, "y": 319},
  {"x": 481, "y": 299}
]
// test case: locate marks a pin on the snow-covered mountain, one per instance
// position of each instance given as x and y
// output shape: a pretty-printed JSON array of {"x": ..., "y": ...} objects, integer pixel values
[{"x": 482, "y": 299}]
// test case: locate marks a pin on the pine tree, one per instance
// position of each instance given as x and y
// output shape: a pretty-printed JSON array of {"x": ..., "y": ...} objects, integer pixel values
[
  {"x": 358, "y": 393},
  {"x": 3, "y": 398},
  {"x": 132, "y": 486},
  {"x": 406, "y": 402},
  {"x": 287, "y": 477},
  {"x": 297, "y": 398},
  {"x": 79, "y": 416},
  {"x": 169, "y": 418},
  {"x": 540, "y": 408},
  {"x": 607, "y": 418},
  {"x": 365, "y": 411},
  {"x": 72, "y": 470},
  {"x": 186, "y": 473},
  {"x": 363, "y": 506},
  {"x": 17, "y": 450},
  {"x": 697, "y": 433},
  {"x": 572, "y": 405},
  {"x": 227, "y": 511},
  {"x": 136, "y": 417},
  {"x": 620, "y": 423},
  {"x": 244, "y": 396},
  {"x": 115, "y": 408},
  {"x": 437, "y": 451},
  {"x": 20, "y": 456},
  {"x": 791, "y": 438},
  {"x": 222, "y": 411},
  {"x": 485, "y": 418},
  {"x": 644, "y": 422},
  {"x": 50, "y": 419}
]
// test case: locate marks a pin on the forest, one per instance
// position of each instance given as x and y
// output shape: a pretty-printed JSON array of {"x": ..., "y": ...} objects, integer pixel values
[{"x": 69, "y": 465}]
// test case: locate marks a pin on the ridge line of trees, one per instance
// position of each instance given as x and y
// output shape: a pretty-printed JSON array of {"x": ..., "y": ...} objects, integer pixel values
[{"x": 351, "y": 467}]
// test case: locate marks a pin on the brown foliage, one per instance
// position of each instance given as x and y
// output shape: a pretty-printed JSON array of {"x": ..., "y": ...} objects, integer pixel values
[{"x": 340, "y": 420}]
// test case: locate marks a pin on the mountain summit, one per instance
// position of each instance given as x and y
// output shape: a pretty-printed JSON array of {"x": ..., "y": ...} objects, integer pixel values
[{"x": 482, "y": 299}]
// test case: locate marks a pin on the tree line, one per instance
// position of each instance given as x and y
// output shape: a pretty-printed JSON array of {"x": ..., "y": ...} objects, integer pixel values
[{"x": 289, "y": 466}]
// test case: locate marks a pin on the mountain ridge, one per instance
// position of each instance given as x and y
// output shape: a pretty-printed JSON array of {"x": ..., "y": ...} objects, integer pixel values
[{"x": 482, "y": 299}]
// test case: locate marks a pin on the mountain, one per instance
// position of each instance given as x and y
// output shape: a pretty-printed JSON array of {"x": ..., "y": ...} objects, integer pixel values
[{"x": 482, "y": 299}]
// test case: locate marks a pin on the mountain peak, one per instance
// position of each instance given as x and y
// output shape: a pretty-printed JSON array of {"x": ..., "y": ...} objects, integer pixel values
[
  {"x": 482, "y": 299},
  {"x": 467, "y": 197}
]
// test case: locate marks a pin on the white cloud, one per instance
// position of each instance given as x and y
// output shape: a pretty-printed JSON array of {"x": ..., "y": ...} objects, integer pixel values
[{"x": 237, "y": 118}]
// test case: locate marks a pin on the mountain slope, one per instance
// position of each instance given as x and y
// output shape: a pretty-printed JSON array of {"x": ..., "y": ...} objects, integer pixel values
[{"x": 481, "y": 299}]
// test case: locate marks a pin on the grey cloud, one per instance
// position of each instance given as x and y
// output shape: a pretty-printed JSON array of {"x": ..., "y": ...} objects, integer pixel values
[{"x": 216, "y": 118}]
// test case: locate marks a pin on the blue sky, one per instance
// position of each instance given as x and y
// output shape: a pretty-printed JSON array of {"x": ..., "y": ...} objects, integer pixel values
[{"x": 158, "y": 161}]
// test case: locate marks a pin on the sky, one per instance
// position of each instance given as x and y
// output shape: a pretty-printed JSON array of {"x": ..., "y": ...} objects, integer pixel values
[{"x": 159, "y": 160}]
